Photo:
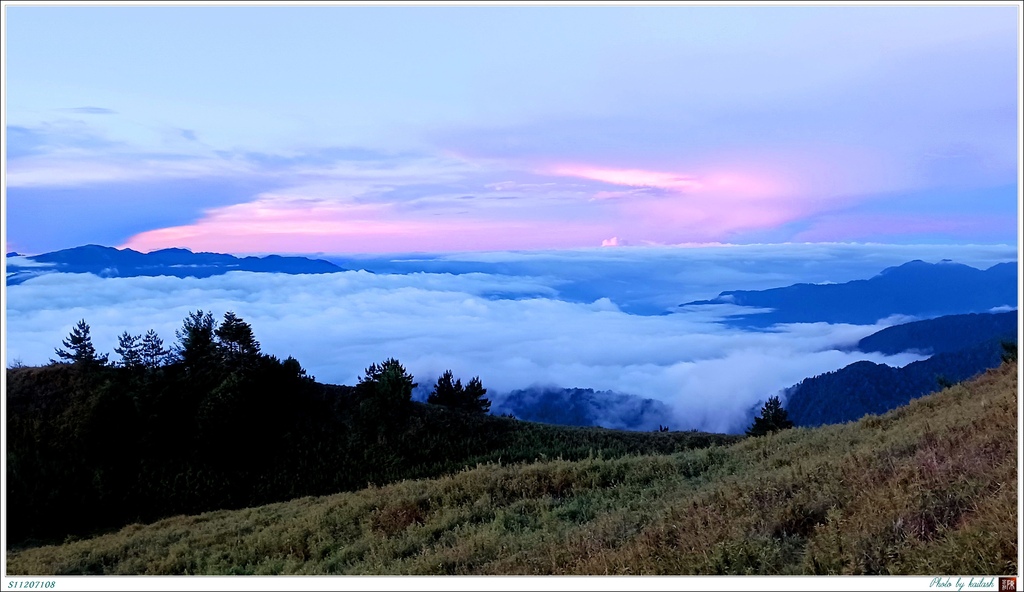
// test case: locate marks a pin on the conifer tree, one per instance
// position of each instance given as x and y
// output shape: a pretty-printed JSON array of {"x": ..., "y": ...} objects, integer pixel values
[
  {"x": 772, "y": 419},
  {"x": 294, "y": 368},
  {"x": 453, "y": 394},
  {"x": 237, "y": 343},
  {"x": 196, "y": 346},
  {"x": 445, "y": 391},
  {"x": 385, "y": 397},
  {"x": 130, "y": 350},
  {"x": 390, "y": 381},
  {"x": 474, "y": 400},
  {"x": 80, "y": 349},
  {"x": 153, "y": 353}
]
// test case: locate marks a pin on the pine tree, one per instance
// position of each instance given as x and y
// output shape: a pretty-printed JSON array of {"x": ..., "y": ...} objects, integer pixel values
[
  {"x": 474, "y": 400},
  {"x": 153, "y": 353},
  {"x": 445, "y": 391},
  {"x": 130, "y": 350},
  {"x": 236, "y": 341},
  {"x": 385, "y": 394},
  {"x": 772, "y": 419},
  {"x": 80, "y": 349},
  {"x": 453, "y": 394},
  {"x": 196, "y": 346},
  {"x": 390, "y": 380},
  {"x": 294, "y": 368}
]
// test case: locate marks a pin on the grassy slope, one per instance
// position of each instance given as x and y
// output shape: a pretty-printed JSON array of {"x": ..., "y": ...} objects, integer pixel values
[
  {"x": 929, "y": 488},
  {"x": 91, "y": 452}
]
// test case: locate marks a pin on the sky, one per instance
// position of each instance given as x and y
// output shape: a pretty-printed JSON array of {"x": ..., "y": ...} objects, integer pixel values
[{"x": 396, "y": 129}]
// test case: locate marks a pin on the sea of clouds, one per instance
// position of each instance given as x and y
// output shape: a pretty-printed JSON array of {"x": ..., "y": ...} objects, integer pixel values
[{"x": 600, "y": 319}]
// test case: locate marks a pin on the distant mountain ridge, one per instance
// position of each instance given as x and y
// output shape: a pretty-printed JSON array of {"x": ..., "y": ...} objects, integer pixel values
[
  {"x": 584, "y": 407},
  {"x": 942, "y": 335},
  {"x": 864, "y": 387},
  {"x": 112, "y": 262},
  {"x": 963, "y": 346},
  {"x": 915, "y": 288}
]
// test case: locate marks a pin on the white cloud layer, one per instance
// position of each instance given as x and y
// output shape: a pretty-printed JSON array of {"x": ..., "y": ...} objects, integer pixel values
[{"x": 511, "y": 330}]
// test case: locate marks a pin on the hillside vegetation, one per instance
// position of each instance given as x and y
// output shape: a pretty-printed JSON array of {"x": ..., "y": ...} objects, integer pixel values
[
  {"x": 948, "y": 334},
  {"x": 93, "y": 447},
  {"x": 929, "y": 488},
  {"x": 865, "y": 387},
  {"x": 963, "y": 346}
]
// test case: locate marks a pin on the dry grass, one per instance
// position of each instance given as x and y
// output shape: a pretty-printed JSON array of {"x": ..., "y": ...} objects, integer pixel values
[{"x": 930, "y": 488}]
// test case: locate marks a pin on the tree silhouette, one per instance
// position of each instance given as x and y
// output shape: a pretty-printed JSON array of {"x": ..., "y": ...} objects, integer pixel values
[
  {"x": 237, "y": 344},
  {"x": 772, "y": 419},
  {"x": 130, "y": 350},
  {"x": 293, "y": 368},
  {"x": 385, "y": 394},
  {"x": 389, "y": 380},
  {"x": 445, "y": 391},
  {"x": 473, "y": 397},
  {"x": 454, "y": 395},
  {"x": 80, "y": 349},
  {"x": 153, "y": 353},
  {"x": 196, "y": 346}
]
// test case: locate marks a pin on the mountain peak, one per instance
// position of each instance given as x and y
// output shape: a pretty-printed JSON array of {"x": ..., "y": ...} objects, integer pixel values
[
  {"x": 177, "y": 262},
  {"x": 916, "y": 288},
  {"x": 919, "y": 265}
]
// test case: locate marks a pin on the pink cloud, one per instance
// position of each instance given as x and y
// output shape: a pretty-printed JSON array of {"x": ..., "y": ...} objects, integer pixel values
[
  {"x": 724, "y": 183},
  {"x": 632, "y": 206},
  {"x": 631, "y": 177},
  {"x": 307, "y": 226},
  {"x": 696, "y": 207}
]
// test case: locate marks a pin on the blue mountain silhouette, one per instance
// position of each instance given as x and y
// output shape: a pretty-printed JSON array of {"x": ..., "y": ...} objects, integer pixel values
[
  {"x": 916, "y": 288},
  {"x": 962, "y": 346},
  {"x": 111, "y": 262}
]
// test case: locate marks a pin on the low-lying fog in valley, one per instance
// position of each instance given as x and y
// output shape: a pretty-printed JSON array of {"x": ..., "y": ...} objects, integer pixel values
[{"x": 605, "y": 319}]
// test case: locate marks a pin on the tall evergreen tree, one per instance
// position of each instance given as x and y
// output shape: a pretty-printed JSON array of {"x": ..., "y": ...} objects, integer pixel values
[
  {"x": 454, "y": 395},
  {"x": 294, "y": 368},
  {"x": 130, "y": 350},
  {"x": 196, "y": 346},
  {"x": 473, "y": 399},
  {"x": 237, "y": 344},
  {"x": 446, "y": 392},
  {"x": 390, "y": 380},
  {"x": 153, "y": 353},
  {"x": 772, "y": 419},
  {"x": 80, "y": 349},
  {"x": 385, "y": 397}
]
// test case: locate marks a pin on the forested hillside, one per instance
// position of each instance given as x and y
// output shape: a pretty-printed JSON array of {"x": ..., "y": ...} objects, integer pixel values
[
  {"x": 214, "y": 423},
  {"x": 865, "y": 387},
  {"x": 585, "y": 407},
  {"x": 927, "y": 489},
  {"x": 963, "y": 346},
  {"x": 943, "y": 334}
]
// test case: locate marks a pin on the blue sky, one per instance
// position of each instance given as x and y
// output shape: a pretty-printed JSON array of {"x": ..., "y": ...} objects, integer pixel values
[{"x": 383, "y": 129}]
